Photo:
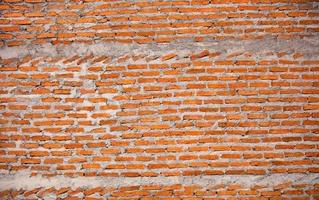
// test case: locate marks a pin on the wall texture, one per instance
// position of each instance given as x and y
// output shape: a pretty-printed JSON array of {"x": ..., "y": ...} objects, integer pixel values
[
  {"x": 58, "y": 21},
  {"x": 203, "y": 99}
]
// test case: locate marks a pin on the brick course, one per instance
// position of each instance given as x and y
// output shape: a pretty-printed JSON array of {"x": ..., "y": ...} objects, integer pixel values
[{"x": 170, "y": 192}]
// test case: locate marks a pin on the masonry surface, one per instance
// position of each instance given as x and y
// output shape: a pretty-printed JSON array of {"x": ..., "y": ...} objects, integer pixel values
[{"x": 204, "y": 99}]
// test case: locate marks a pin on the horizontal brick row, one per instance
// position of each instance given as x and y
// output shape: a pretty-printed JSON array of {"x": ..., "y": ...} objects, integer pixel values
[{"x": 171, "y": 192}]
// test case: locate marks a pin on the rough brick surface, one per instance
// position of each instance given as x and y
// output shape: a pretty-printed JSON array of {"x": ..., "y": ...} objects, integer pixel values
[
  {"x": 168, "y": 192},
  {"x": 220, "y": 103},
  {"x": 56, "y": 21}
]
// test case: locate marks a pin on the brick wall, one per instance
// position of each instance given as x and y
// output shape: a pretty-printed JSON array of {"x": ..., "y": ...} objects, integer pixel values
[
  {"x": 159, "y": 99},
  {"x": 58, "y": 21}
]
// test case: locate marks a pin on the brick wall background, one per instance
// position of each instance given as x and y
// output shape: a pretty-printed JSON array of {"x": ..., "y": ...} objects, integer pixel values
[{"x": 203, "y": 99}]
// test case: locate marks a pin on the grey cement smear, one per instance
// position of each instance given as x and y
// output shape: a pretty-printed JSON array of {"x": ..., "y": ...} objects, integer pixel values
[
  {"x": 22, "y": 180},
  {"x": 309, "y": 46}
]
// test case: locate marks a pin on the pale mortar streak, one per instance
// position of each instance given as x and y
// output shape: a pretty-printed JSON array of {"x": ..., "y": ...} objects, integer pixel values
[
  {"x": 22, "y": 180},
  {"x": 307, "y": 45}
]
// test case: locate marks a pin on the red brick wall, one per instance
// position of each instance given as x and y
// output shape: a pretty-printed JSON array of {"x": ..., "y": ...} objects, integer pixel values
[
  {"x": 221, "y": 103},
  {"x": 56, "y": 21}
]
